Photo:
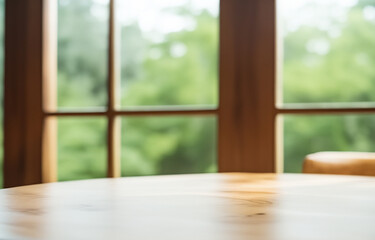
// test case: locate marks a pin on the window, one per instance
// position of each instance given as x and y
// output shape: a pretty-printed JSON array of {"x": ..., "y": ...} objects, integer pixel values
[
  {"x": 327, "y": 73},
  {"x": 116, "y": 105},
  {"x": 254, "y": 109},
  {"x": 151, "y": 44}
]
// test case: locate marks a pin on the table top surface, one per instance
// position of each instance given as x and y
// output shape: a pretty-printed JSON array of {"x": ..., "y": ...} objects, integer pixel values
[{"x": 207, "y": 206}]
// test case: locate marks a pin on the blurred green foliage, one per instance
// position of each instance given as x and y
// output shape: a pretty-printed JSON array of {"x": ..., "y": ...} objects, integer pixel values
[
  {"x": 81, "y": 148},
  {"x": 150, "y": 145},
  {"x": 308, "y": 134},
  {"x": 179, "y": 70},
  {"x": 168, "y": 145},
  {"x": 343, "y": 71},
  {"x": 82, "y": 55}
]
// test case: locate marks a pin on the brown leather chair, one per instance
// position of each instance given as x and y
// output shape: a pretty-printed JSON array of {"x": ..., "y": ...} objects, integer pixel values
[{"x": 347, "y": 163}]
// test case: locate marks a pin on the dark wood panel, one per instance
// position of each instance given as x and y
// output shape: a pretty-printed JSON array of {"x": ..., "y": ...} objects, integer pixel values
[
  {"x": 23, "y": 118},
  {"x": 247, "y": 86}
]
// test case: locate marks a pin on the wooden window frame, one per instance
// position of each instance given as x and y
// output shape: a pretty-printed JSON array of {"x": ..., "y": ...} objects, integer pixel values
[
  {"x": 30, "y": 102},
  {"x": 249, "y": 130}
]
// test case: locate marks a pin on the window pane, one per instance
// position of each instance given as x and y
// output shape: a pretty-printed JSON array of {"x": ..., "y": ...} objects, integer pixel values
[
  {"x": 169, "y": 52},
  {"x": 168, "y": 145},
  {"x": 1, "y": 86},
  {"x": 82, "y": 53},
  {"x": 328, "y": 53},
  {"x": 82, "y": 150},
  {"x": 308, "y": 134}
]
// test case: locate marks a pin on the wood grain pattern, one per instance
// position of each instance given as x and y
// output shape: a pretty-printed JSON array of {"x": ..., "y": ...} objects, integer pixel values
[{"x": 208, "y": 206}]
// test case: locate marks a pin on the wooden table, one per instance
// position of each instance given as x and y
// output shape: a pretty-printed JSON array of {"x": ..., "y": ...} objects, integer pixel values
[{"x": 195, "y": 207}]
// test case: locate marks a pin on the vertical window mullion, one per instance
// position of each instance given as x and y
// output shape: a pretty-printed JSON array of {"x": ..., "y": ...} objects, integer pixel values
[
  {"x": 113, "y": 130},
  {"x": 49, "y": 84}
]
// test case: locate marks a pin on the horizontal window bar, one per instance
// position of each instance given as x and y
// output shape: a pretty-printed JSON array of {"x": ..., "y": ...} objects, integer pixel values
[
  {"x": 327, "y": 105},
  {"x": 168, "y": 108},
  {"x": 66, "y": 113},
  {"x": 168, "y": 112},
  {"x": 137, "y": 113},
  {"x": 325, "y": 110},
  {"x": 81, "y": 110}
]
